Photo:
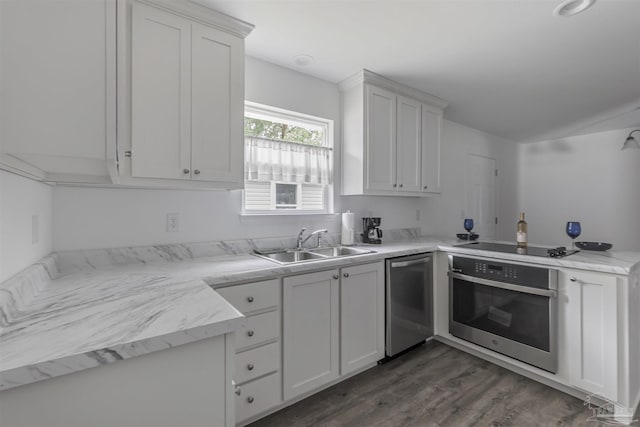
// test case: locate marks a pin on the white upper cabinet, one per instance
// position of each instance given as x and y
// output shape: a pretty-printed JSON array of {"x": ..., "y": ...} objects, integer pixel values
[
  {"x": 409, "y": 144},
  {"x": 381, "y": 139},
  {"x": 187, "y": 98},
  {"x": 57, "y": 107},
  {"x": 431, "y": 130},
  {"x": 161, "y": 95},
  {"x": 139, "y": 93},
  {"x": 217, "y": 109},
  {"x": 391, "y": 139}
]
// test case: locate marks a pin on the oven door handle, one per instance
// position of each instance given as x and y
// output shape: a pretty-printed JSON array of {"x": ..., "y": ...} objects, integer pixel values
[{"x": 551, "y": 293}]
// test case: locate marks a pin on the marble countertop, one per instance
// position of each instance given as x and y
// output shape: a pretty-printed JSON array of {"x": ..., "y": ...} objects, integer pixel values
[{"x": 79, "y": 310}]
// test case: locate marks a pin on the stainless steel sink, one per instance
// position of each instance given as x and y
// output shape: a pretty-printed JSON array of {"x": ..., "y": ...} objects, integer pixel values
[
  {"x": 289, "y": 256},
  {"x": 338, "y": 251}
]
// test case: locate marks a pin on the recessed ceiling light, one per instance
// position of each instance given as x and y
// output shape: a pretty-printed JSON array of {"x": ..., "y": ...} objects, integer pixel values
[
  {"x": 572, "y": 7},
  {"x": 303, "y": 60}
]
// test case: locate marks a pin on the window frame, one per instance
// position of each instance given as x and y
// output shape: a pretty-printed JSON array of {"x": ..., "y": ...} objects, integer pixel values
[{"x": 267, "y": 112}]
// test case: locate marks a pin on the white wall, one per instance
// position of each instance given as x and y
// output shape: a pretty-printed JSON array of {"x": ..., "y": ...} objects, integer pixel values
[
  {"x": 20, "y": 200},
  {"x": 584, "y": 178},
  {"x": 445, "y": 213},
  {"x": 97, "y": 217}
]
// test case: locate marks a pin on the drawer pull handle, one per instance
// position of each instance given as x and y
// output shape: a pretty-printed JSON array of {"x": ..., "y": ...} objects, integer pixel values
[
  {"x": 573, "y": 279},
  {"x": 250, "y": 333},
  {"x": 250, "y": 299},
  {"x": 238, "y": 391},
  {"x": 336, "y": 277},
  {"x": 250, "y": 399},
  {"x": 250, "y": 367},
  {"x": 346, "y": 274}
]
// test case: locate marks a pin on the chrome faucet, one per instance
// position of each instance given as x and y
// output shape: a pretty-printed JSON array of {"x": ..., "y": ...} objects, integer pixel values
[{"x": 302, "y": 241}]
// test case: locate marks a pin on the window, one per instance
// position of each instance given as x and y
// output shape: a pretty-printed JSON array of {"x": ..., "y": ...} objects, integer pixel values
[{"x": 288, "y": 161}]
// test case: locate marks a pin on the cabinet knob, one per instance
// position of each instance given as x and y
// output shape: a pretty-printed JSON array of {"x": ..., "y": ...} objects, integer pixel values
[
  {"x": 250, "y": 333},
  {"x": 238, "y": 391},
  {"x": 197, "y": 171},
  {"x": 400, "y": 185},
  {"x": 425, "y": 187},
  {"x": 346, "y": 274},
  {"x": 185, "y": 171},
  {"x": 249, "y": 299},
  {"x": 336, "y": 277},
  {"x": 395, "y": 185},
  {"x": 573, "y": 279},
  {"x": 250, "y": 399},
  {"x": 250, "y": 367}
]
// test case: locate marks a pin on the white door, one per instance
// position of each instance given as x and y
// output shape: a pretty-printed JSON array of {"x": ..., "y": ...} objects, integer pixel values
[
  {"x": 409, "y": 144},
  {"x": 431, "y": 125},
  {"x": 310, "y": 316},
  {"x": 361, "y": 316},
  {"x": 481, "y": 195},
  {"x": 380, "y": 128},
  {"x": 591, "y": 331},
  {"x": 216, "y": 116},
  {"x": 161, "y": 95}
]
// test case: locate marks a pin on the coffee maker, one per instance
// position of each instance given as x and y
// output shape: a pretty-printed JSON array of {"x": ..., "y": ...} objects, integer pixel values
[{"x": 371, "y": 232}]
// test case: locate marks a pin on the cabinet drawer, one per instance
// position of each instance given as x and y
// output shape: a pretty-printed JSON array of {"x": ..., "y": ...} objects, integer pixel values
[
  {"x": 253, "y": 296},
  {"x": 258, "y": 396},
  {"x": 259, "y": 328},
  {"x": 257, "y": 362}
]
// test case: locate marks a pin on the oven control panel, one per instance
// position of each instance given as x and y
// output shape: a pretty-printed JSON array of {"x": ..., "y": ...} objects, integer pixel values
[{"x": 501, "y": 271}]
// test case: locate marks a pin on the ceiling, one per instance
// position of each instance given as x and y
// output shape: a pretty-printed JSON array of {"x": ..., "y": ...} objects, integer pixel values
[{"x": 507, "y": 67}]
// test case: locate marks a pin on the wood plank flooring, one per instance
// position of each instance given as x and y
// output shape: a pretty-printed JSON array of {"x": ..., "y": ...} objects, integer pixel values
[{"x": 435, "y": 385}]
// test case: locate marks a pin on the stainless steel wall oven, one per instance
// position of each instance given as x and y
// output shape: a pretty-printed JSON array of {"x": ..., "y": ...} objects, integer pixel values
[{"x": 506, "y": 307}]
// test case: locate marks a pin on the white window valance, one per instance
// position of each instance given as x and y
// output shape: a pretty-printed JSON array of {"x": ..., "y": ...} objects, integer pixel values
[{"x": 274, "y": 160}]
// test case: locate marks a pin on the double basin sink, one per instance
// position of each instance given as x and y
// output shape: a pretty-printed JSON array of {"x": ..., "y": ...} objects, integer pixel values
[{"x": 288, "y": 256}]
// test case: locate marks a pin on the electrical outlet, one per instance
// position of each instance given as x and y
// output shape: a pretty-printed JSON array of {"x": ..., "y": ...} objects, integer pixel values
[
  {"x": 35, "y": 229},
  {"x": 173, "y": 222}
]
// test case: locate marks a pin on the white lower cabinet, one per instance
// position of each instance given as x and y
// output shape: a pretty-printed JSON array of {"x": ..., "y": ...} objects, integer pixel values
[
  {"x": 257, "y": 362},
  {"x": 310, "y": 319},
  {"x": 361, "y": 316},
  {"x": 588, "y": 316},
  {"x": 258, "y": 396},
  {"x": 332, "y": 325},
  {"x": 331, "y": 316}
]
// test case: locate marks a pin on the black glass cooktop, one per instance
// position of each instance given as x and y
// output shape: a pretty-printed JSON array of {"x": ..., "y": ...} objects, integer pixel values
[{"x": 558, "y": 252}]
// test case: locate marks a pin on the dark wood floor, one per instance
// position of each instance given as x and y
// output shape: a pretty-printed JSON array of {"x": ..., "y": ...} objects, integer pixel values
[{"x": 435, "y": 385}]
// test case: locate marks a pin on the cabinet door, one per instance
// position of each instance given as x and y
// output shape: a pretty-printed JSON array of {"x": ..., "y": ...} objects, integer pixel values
[
  {"x": 591, "y": 329},
  {"x": 431, "y": 125},
  {"x": 161, "y": 94},
  {"x": 310, "y": 331},
  {"x": 409, "y": 144},
  {"x": 57, "y": 84},
  {"x": 217, "y": 108},
  {"x": 380, "y": 137},
  {"x": 361, "y": 316}
]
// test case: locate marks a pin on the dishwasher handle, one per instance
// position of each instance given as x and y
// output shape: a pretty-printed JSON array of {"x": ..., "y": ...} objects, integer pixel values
[{"x": 399, "y": 264}]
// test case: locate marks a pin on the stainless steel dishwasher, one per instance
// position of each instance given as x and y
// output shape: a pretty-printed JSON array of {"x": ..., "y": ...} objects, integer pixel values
[{"x": 409, "y": 302}]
